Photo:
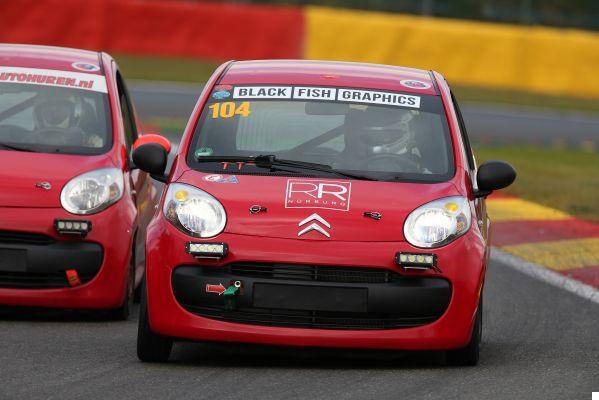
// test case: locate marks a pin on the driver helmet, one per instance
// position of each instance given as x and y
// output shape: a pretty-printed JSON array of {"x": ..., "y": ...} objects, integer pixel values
[
  {"x": 386, "y": 131},
  {"x": 57, "y": 109}
]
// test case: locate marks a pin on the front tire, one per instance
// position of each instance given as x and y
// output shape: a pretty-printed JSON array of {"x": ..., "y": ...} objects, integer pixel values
[
  {"x": 469, "y": 355},
  {"x": 123, "y": 312},
  {"x": 151, "y": 347}
]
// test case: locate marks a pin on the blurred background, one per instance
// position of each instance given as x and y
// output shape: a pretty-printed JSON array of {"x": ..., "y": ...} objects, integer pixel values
[{"x": 524, "y": 71}]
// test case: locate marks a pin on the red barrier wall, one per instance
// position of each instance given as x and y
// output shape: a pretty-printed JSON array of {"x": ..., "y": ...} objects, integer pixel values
[{"x": 170, "y": 28}]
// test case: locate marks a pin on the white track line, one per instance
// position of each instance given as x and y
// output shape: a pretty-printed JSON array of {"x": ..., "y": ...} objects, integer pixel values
[{"x": 546, "y": 275}]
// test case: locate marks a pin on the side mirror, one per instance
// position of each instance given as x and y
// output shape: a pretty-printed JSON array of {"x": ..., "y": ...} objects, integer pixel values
[
  {"x": 494, "y": 175},
  {"x": 150, "y": 154}
]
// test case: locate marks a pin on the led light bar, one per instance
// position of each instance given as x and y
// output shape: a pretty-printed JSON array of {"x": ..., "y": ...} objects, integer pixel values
[
  {"x": 418, "y": 261},
  {"x": 207, "y": 250},
  {"x": 72, "y": 227}
]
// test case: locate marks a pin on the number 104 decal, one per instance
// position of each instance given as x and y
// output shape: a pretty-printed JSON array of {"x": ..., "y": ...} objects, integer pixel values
[{"x": 229, "y": 109}]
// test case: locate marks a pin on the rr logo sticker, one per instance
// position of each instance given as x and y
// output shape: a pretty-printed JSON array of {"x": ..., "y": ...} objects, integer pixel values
[{"x": 331, "y": 195}]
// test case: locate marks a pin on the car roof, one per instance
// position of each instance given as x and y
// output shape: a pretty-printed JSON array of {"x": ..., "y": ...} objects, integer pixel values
[
  {"x": 47, "y": 57},
  {"x": 327, "y": 73}
]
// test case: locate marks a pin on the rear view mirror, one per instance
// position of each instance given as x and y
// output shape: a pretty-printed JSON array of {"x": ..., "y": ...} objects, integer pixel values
[
  {"x": 494, "y": 175},
  {"x": 150, "y": 154}
]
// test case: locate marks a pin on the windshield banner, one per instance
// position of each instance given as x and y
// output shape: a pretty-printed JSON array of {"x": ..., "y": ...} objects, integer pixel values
[
  {"x": 50, "y": 77},
  {"x": 323, "y": 94}
]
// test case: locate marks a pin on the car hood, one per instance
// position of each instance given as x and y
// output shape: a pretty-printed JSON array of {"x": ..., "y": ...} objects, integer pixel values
[
  {"x": 36, "y": 179},
  {"x": 317, "y": 209}
]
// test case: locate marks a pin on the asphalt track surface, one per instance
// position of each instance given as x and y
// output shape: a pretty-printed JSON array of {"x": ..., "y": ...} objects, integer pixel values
[
  {"x": 506, "y": 124},
  {"x": 539, "y": 342}
]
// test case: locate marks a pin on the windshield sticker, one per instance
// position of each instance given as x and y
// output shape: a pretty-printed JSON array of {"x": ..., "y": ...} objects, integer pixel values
[
  {"x": 203, "y": 152},
  {"x": 322, "y": 94},
  {"x": 229, "y": 109},
  {"x": 87, "y": 67},
  {"x": 314, "y": 93},
  {"x": 217, "y": 178},
  {"x": 414, "y": 84},
  {"x": 49, "y": 77},
  {"x": 374, "y": 97},
  {"x": 221, "y": 94},
  {"x": 262, "y": 92},
  {"x": 331, "y": 195}
]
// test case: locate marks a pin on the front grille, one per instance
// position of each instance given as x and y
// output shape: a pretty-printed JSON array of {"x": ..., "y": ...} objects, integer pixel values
[
  {"x": 29, "y": 280},
  {"x": 312, "y": 319},
  {"x": 314, "y": 273},
  {"x": 25, "y": 238}
]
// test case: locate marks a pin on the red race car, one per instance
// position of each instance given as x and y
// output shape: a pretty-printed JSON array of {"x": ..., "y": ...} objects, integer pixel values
[
  {"x": 320, "y": 204},
  {"x": 73, "y": 211}
]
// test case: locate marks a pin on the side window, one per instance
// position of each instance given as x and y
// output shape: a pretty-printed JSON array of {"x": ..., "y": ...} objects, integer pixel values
[
  {"x": 469, "y": 155},
  {"x": 127, "y": 113}
]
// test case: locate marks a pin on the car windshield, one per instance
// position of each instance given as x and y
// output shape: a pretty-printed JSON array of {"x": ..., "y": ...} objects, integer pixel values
[
  {"x": 51, "y": 119},
  {"x": 368, "y": 133}
]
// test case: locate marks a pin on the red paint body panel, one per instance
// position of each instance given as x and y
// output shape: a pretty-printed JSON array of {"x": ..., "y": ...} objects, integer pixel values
[
  {"x": 357, "y": 241},
  {"x": 25, "y": 208},
  {"x": 111, "y": 229},
  {"x": 326, "y": 73},
  {"x": 47, "y": 57},
  {"x": 393, "y": 200},
  {"x": 462, "y": 261}
]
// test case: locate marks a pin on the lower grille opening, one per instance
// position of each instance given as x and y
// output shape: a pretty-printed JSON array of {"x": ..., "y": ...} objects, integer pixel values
[
  {"x": 28, "y": 280},
  {"x": 24, "y": 238},
  {"x": 316, "y": 273},
  {"x": 311, "y": 319}
]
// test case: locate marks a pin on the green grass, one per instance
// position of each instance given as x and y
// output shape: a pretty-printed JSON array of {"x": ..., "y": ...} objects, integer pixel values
[
  {"x": 509, "y": 97},
  {"x": 155, "y": 68},
  {"x": 565, "y": 179},
  {"x": 198, "y": 71}
]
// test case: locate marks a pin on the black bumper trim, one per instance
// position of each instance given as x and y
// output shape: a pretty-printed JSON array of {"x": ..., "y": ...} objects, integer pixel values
[
  {"x": 399, "y": 302},
  {"x": 43, "y": 265}
]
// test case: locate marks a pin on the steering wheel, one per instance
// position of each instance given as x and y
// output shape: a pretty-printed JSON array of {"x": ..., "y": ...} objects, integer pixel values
[
  {"x": 57, "y": 136},
  {"x": 398, "y": 161},
  {"x": 13, "y": 132}
]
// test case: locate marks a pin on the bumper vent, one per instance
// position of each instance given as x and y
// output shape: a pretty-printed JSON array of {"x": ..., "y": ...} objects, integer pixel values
[
  {"x": 25, "y": 238},
  {"x": 314, "y": 273}
]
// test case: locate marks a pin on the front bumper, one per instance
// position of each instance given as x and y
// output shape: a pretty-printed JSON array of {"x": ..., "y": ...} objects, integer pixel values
[
  {"x": 173, "y": 304},
  {"x": 35, "y": 274}
]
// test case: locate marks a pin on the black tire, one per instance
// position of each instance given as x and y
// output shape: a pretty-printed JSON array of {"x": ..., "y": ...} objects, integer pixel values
[
  {"x": 123, "y": 312},
  {"x": 151, "y": 347},
  {"x": 469, "y": 355}
]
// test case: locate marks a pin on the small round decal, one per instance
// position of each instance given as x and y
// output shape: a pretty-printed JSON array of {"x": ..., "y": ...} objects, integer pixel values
[
  {"x": 214, "y": 178},
  {"x": 87, "y": 67},
  {"x": 221, "y": 94},
  {"x": 414, "y": 84}
]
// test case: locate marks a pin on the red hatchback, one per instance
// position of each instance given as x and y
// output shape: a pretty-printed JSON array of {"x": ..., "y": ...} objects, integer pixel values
[
  {"x": 320, "y": 204},
  {"x": 73, "y": 211}
]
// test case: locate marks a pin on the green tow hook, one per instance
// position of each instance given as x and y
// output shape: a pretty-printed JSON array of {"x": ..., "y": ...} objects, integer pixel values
[{"x": 230, "y": 296}]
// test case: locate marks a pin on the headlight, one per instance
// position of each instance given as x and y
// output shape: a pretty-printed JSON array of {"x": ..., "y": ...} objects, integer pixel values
[
  {"x": 194, "y": 211},
  {"x": 93, "y": 191},
  {"x": 438, "y": 222}
]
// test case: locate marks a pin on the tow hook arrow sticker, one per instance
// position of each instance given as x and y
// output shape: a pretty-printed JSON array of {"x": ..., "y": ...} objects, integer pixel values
[{"x": 220, "y": 289}]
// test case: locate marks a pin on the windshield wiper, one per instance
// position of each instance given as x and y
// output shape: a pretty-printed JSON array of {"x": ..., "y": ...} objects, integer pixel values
[
  {"x": 275, "y": 164},
  {"x": 16, "y": 148}
]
